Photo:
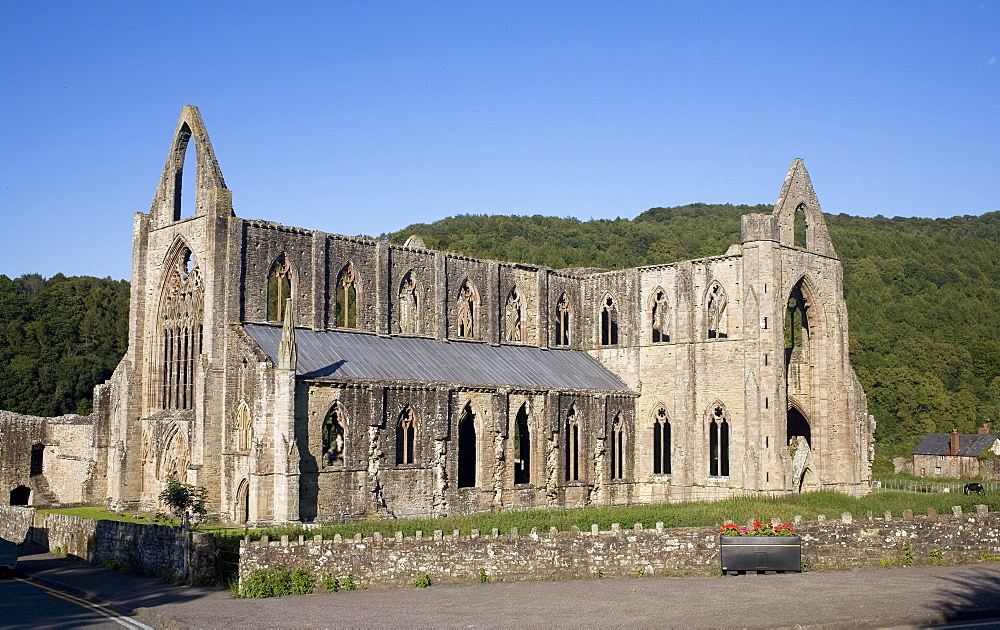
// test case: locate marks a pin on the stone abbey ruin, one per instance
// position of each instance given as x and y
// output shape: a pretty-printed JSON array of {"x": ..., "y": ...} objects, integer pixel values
[{"x": 306, "y": 376}]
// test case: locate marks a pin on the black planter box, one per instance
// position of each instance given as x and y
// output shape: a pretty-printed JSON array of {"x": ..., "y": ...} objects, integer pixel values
[{"x": 760, "y": 553}]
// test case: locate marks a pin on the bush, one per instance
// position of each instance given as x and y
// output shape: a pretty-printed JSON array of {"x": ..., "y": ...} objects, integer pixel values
[{"x": 277, "y": 583}]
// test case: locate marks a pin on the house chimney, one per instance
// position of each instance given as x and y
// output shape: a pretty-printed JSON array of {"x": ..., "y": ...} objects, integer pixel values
[
  {"x": 985, "y": 429},
  {"x": 954, "y": 442}
]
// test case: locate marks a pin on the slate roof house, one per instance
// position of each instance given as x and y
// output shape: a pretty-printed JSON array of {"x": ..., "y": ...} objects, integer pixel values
[
  {"x": 953, "y": 454},
  {"x": 300, "y": 375}
]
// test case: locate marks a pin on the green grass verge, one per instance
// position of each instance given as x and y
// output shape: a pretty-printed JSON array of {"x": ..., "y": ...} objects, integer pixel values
[{"x": 739, "y": 510}]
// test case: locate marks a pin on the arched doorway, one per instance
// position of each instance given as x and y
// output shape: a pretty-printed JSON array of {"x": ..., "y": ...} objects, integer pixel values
[
  {"x": 20, "y": 495},
  {"x": 243, "y": 503},
  {"x": 808, "y": 482},
  {"x": 797, "y": 425}
]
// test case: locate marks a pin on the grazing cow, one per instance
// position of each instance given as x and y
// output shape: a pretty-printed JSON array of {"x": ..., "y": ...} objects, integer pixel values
[{"x": 974, "y": 487}]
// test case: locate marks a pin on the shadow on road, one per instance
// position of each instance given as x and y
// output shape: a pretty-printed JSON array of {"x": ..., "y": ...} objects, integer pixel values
[{"x": 971, "y": 595}]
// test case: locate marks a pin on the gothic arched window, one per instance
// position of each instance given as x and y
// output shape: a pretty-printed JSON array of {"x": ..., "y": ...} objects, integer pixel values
[
  {"x": 181, "y": 325},
  {"x": 244, "y": 427},
  {"x": 409, "y": 318},
  {"x": 522, "y": 447},
  {"x": 467, "y": 448},
  {"x": 718, "y": 441},
  {"x": 279, "y": 289},
  {"x": 617, "y": 448},
  {"x": 609, "y": 322},
  {"x": 572, "y": 446},
  {"x": 514, "y": 317},
  {"x": 406, "y": 435},
  {"x": 564, "y": 311},
  {"x": 468, "y": 311},
  {"x": 715, "y": 312},
  {"x": 333, "y": 436},
  {"x": 346, "y": 309},
  {"x": 661, "y": 442},
  {"x": 660, "y": 316}
]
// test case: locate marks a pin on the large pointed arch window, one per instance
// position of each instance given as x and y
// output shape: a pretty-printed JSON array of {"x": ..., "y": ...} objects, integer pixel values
[
  {"x": 718, "y": 442},
  {"x": 467, "y": 448},
  {"x": 796, "y": 322},
  {"x": 279, "y": 289},
  {"x": 181, "y": 326},
  {"x": 468, "y": 310},
  {"x": 609, "y": 322},
  {"x": 333, "y": 436},
  {"x": 564, "y": 313},
  {"x": 522, "y": 447},
  {"x": 661, "y": 442},
  {"x": 406, "y": 435},
  {"x": 514, "y": 317},
  {"x": 715, "y": 312},
  {"x": 346, "y": 309},
  {"x": 660, "y": 316}
]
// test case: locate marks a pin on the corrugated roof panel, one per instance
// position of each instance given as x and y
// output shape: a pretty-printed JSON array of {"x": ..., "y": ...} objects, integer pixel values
[{"x": 347, "y": 355}]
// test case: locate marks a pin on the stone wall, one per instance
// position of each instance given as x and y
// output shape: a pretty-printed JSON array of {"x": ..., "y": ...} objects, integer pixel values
[
  {"x": 391, "y": 562},
  {"x": 16, "y": 522},
  {"x": 163, "y": 551}
]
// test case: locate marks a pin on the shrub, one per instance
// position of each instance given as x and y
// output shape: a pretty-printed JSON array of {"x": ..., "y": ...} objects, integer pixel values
[
  {"x": 277, "y": 583},
  {"x": 422, "y": 582}
]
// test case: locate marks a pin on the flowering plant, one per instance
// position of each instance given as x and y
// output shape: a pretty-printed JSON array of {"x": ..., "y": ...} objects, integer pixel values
[{"x": 759, "y": 528}]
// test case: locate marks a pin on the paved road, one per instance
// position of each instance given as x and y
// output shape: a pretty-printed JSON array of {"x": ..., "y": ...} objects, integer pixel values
[
  {"x": 871, "y": 598},
  {"x": 27, "y": 605}
]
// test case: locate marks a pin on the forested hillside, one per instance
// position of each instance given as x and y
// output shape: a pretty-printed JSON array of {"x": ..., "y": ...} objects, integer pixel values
[
  {"x": 922, "y": 296},
  {"x": 59, "y": 338}
]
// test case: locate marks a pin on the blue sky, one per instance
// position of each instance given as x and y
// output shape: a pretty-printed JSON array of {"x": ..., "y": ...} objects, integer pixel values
[{"x": 365, "y": 117}]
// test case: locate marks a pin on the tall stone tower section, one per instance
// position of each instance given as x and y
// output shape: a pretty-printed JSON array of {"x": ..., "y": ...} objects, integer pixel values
[
  {"x": 815, "y": 431},
  {"x": 162, "y": 423}
]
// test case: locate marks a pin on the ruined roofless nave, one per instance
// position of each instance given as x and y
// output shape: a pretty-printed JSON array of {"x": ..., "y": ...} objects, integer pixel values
[{"x": 302, "y": 375}]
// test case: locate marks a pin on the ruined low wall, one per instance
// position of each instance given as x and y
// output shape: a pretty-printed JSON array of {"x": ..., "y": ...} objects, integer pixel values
[
  {"x": 386, "y": 562},
  {"x": 15, "y": 522},
  {"x": 167, "y": 552}
]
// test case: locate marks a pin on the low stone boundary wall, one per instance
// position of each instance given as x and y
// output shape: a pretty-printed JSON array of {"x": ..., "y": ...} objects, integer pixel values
[
  {"x": 15, "y": 522},
  {"x": 167, "y": 552},
  {"x": 380, "y": 561}
]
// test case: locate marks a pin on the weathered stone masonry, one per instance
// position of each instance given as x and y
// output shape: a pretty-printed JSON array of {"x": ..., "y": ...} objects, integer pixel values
[
  {"x": 378, "y": 561},
  {"x": 305, "y": 376}
]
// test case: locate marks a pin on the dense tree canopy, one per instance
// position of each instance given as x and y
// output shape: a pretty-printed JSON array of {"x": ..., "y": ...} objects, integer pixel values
[
  {"x": 922, "y": 297},
  {"x": 59, "y": 338}
]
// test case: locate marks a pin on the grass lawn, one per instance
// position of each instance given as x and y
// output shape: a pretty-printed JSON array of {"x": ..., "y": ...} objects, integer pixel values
[{"x": 715, "y": 513}]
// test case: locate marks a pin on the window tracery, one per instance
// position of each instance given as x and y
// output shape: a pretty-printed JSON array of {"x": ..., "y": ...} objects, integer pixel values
[
  {"x": 572, "y": 445},
  {"x": 617, "y": 448},
  {"x": 660, "y": 317},
  {"x": 468, "y": 310},
  {"x": 182, "y": 330},
  {"x": 346, "y": 310},
  {"x": 716, "y": 312},
  {"x": 661, "y": 442},
  {"x": 406, "y": 434},
  {"x": 564, "y": 312},
  {"x": 718, "y": 438},
  {"x": 514, "y": 317},
  {"x": 409, "y": 323},
  {"x": 244, "y": 427},
  {"x": 279, "y": 288},
  {"x": 333, "y": 436},
  {"x": 609, "y": 322}
]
